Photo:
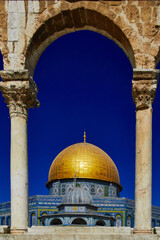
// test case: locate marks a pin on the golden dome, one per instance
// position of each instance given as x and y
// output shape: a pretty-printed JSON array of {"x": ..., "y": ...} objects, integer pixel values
[{"x": 86, "y": 161}]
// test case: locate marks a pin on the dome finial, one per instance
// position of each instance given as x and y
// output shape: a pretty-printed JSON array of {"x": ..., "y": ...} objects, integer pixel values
[{"x": 84, "y": 136}]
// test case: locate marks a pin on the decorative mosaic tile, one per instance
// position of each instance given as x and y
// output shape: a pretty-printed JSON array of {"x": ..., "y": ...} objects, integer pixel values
[
  {"x": 68, "y": 209},
  {"x": 100, "y": 190},
  {"x": 106, "y": 191},
  {"x": 63, "y": 189},
  {"x": 92, "y": 190},
  {"x": 86, "y": 187},
  {"x": 69, "y": 187},
  {"x": 114, "y": 192},
  {"x": 81, "y": 209},
  {"x": 55, "y": 190}
]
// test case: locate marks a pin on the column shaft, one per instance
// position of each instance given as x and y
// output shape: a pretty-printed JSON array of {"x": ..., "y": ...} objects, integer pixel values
[
  {"x": 19, "y": 175},
  {"x": 144, "y": 87},
  {"x": 143, "y": 170},
  {"x": 20, "y": 93}
]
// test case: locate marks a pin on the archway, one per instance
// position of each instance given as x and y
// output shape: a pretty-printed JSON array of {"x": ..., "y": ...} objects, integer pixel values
[
  {"x": 33, "y": 219},
  {"x": 80, "y": 81},
  {"x": 81, "y": 19},
  {"x": 129, "y": 221},
  {"x": 100, "y": 223},
  {"x": 56, "y": 221},
  {"x": 118, "y": 220},
  {"x": 79, "y": 221}
]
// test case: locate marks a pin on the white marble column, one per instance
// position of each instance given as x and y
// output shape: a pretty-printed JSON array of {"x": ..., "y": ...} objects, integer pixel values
[
  {"x": 144, "y": 88},
  {"x": 19, "y": 92}
]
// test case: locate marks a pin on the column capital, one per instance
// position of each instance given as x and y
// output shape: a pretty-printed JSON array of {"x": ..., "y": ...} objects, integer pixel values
[
  {"x": 144, "y": 85},
  {"x": 19, "y": 91}
]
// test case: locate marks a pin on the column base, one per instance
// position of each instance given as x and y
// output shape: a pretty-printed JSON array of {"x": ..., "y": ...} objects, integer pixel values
[
  {"x": 18, "y": 231},
  {"x": 142, "y": 231}
]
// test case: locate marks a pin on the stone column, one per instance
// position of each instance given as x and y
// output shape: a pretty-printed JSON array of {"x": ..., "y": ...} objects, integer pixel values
[
  {"x": 144, "y": 86},
  {"x": 19, "y": 91}
]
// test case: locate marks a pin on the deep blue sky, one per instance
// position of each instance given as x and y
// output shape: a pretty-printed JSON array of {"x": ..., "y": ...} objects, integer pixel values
[{"x": 84, "y": 81}]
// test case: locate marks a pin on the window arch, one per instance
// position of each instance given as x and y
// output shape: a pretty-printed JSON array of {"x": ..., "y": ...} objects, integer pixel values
[
  {"x": 158, "y": 223},
  {"x": 153, "y": 223},
  {"x": 100, "y": 223},
  {"x": 118, "y": 220},
  {"x": 129, "y": 221},
  {"x": 43, "y": 214},
  {"x": 33, "y": 219},
  {"x": 56, "y": 221},
  {"x": 79, "y": 221},
  {"x": 3, "y": 222}
]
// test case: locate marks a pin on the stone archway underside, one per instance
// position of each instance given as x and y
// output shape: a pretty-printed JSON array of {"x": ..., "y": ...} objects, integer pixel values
[{"x": 70, "y": 21}]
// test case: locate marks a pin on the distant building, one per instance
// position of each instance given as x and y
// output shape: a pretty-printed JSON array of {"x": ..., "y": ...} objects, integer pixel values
[{"x": 93, "y": 201}]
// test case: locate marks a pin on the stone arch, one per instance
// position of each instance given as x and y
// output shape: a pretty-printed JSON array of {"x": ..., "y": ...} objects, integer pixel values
[
  {"x": 118, "y": 220},
  {"x": 100, "y": 223},
  {"x": 129, "y": 221},
  {"x": 79, "y": 221},
  {"x": 33, "y": 219},
  {"x": 43, "y": 213},
  {"x": 56, "y": 221},
  {"x": 67, "y": 21}
]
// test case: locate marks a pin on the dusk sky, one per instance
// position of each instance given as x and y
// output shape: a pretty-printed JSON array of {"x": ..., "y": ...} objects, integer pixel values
[{"x": 85, "y": 82}]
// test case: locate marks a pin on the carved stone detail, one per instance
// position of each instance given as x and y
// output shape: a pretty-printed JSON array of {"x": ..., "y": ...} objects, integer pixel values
[
  {"x": 143, "y": 93},
  {"x": 20, "y": 95},
  {"x": 144, "y": 87}
]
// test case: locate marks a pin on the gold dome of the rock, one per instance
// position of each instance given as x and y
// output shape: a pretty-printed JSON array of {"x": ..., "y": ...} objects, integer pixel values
[{"x": 86, "y": 161}]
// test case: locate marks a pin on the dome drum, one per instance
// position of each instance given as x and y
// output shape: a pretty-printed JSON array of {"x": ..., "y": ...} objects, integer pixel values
[{"x": 96, "y": 188}]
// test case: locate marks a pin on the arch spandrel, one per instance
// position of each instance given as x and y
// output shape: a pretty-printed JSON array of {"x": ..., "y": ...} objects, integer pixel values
[{"x": 81, "y": 16}]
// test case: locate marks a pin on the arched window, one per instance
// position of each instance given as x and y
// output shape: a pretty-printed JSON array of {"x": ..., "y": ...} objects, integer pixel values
[
  {"x": 100, "y": 223},
  {"x": 3, "y": 222},
  {"x": 9, "y": 221},
  {"x": 118, "y": 220},
  {"x": 129, "y": 221},
  {"x": 43, "y": 214},
  {"x": 158, "y": 223},
  {"x": 33, "y": 219},
  {"x": 56, "y": 221},
  {"x": 153, "y": 223},
  {"x": 79, "y": 221},
  {"x": 42, "y": 222}
]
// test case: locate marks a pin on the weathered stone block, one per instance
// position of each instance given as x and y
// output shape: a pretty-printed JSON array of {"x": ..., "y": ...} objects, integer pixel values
[
  {"x": 102, "y": 9},
  {"x": 12, "y": 34},
  {"x": 13, "y": 20},
  {"x": 3, "y": 20},
  {"x": 149, "y": 29},
  {"x": 132, "y": 13},
  {"x": 65, "y": 6},
  {"x": 146, "y": 14},
  {"x": 2, "y": 7},
  {"x": 146, "y": 3}
]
